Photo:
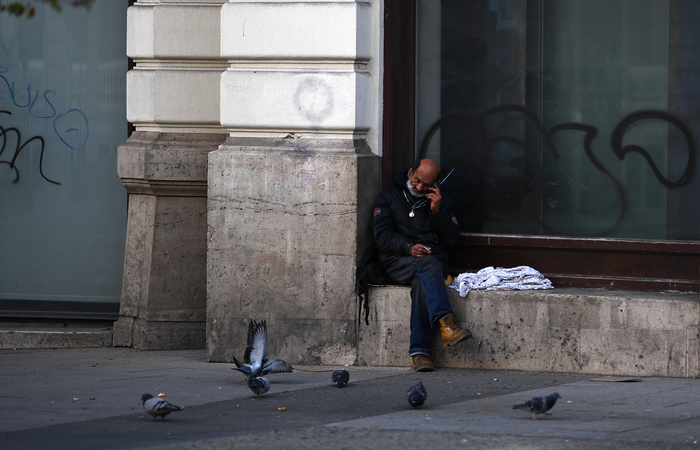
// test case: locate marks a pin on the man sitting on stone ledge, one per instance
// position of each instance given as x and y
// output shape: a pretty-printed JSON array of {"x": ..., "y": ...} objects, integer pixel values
[{"x": 413, "y": 223}]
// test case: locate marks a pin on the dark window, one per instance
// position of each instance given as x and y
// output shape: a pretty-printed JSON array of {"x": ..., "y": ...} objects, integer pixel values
[{"x": 570, "y": 126}]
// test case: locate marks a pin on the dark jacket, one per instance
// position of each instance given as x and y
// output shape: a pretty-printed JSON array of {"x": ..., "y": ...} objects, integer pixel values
[{"x": 396, "y": 233}]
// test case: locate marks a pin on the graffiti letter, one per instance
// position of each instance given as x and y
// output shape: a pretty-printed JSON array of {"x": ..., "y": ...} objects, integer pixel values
[
  {"x": 620, "y": 151},
  {"x": 47, "y": 101},
  {"x": 78, "y": 140}
]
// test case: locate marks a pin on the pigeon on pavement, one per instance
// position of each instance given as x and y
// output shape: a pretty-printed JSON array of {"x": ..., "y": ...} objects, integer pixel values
[
  {"x": 255, "y": 362},
  {"x": 157, "y": 407},
  {"x": 259, "y": 385},
  {"x": 539, "y": 405},
  {"x": 340, "y": 377},
  {"x": 416, "y": 395}
]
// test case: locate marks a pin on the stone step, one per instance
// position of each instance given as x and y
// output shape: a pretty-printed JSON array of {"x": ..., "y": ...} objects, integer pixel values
[
  {"x": 558, "y": 330},
  {"x": 33, "y": 336}
]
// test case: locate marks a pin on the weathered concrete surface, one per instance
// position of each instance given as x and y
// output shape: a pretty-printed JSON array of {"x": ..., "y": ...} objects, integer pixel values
[
  {"x": 285, "y": 219},
  {"x": 559, "y": 330},
  {"x": 15, "y": 337},
  {"x": 163, "y": 304}
]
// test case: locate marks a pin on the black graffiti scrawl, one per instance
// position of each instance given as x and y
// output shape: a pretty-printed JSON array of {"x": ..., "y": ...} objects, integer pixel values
[
  {"x": 40, "y": 107},
  {"x": 19, "y": 146},
  {"x": 475, "y": 133}
]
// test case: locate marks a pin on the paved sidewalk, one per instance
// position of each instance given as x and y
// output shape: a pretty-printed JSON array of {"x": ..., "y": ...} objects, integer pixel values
[{"x": 75, "y": 398}]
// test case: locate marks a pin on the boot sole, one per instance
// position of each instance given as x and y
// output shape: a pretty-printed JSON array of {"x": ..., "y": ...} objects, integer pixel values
[{"x": 468, "y": 335}]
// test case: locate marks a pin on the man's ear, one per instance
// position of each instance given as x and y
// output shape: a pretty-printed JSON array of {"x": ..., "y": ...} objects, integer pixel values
[{"x": 409, "y": 173}]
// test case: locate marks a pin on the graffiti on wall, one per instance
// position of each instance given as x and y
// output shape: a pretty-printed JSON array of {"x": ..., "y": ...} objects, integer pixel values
[
  {"x": 71, "y": 126},
  {"x": 529, "y": 202},
  {"x": 4, "y": 134}
]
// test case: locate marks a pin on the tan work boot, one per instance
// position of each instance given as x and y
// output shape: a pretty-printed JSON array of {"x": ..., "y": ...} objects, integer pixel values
[
  {"x": 451, "y": 332},
  {"x": 422, "y": 363}
]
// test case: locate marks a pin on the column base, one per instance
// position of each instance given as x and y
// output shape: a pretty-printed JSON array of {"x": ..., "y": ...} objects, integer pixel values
[{"x": 148, "y": 335}]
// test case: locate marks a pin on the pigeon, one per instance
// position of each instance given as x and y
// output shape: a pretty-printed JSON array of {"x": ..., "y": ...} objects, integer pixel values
[
  {"x": 539, "y": 405},
  {"x": 157, "y": 407},
  {"x": 255, "y": 362},
  {"x": 340, "y": 377},
  {"x": 416, "y": 395},
  {"x": 259, "y": 385}
]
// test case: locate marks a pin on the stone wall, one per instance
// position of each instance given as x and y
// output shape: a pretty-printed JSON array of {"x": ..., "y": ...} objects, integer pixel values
[
  {"x": 292, "y": 189},
  {"x": 257, "y": 130},
  {"x": 285, "y": 226},
  {"x": 559, "y": 330}
]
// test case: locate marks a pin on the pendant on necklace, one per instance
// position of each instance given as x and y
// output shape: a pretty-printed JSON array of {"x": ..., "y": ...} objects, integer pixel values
[{"x": 411, "y": 214}]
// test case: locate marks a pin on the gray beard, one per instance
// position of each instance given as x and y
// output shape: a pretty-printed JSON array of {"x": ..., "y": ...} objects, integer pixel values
[{"x": 412, "y": 190}]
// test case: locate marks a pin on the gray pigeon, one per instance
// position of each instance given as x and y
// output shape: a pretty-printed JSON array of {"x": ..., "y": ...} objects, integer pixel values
[
  {"x": 259, "y": 385},
  {"x": 157, "y": 407},
  {"x": 255, "y": 359},
  {"x": 340, "y": 377},
  {"x": 416, "y": 395},
  {"x": 539, "y": 405}
]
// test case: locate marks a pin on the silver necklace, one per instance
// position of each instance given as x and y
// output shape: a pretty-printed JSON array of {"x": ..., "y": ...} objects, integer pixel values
[{"x": 416, "y": 205}]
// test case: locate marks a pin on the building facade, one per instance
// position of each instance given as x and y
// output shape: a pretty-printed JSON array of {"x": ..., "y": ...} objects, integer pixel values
[{"x": 250, "y": 189}]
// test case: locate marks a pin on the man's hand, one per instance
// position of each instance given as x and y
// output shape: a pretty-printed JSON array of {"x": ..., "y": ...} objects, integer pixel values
[
  {"x": 420, "y": 250},
  {"x": 435, "y": 198}
]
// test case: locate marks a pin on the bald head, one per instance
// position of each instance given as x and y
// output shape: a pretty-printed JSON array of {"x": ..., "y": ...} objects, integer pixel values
[
  {"x": 429, "y": 170},
  {"x": 423, "y": 177}
]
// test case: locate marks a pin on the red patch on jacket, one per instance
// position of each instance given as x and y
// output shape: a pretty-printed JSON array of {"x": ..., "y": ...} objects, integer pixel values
[{"x": 377, "y": 211}]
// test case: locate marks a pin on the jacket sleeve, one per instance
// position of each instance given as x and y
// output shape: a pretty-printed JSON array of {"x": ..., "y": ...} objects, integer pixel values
[
  {"x": 444, "y": 222},
  {"x": 386, "y": 235}
]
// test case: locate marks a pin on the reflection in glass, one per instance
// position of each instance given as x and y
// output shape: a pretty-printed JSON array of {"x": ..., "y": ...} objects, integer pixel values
[
  {"x": 563, "y": 118},
  {"x": 62, "y": 108}
]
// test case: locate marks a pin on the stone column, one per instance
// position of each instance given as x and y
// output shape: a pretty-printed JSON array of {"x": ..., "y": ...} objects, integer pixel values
[
  {"x": 173, "y": 103},
  {"x": 291, "y": 191}
]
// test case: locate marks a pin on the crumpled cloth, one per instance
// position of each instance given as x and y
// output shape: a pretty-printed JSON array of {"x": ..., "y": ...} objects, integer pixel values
[{"x": 500, "y": 279}]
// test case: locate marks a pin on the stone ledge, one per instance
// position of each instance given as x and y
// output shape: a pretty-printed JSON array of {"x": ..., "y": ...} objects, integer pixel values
[
  {"x": 560, "y": 330},
  {"x": 52, "y": 337}
]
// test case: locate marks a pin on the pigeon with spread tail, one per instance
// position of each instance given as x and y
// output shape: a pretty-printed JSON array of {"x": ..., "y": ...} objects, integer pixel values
[{"x": 255, "y": 362}]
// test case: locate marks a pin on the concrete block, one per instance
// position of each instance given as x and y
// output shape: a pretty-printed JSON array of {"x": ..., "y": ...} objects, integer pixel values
[
  {"x": 283, "y": 100},
  {"x": 164, "y": 286},
  {"x": 71, "y": 337},
  {"x": 183, "y": 95},
  {"x": 174, "y": 31},
  {"x": 177, "y": 282},
  {"x": 296, "y": 31},
  {"x": 385, "y": 341},
  {"x": 150, "y": 335},
  {"x": 137, "y": 255},
  {"x": 581, "y": 331},
  {"x": 307, "y": 192},
  {"x": 283, "y": 245},
  {"x": 297, "y": 341},
  {"x": 167, "y": 157},
  {"x": 122, "y": 334},
  {"x": 290, "y": 285}
]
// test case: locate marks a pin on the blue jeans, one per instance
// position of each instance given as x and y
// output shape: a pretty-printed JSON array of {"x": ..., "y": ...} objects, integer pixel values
[{"x": 428, "y": 294}]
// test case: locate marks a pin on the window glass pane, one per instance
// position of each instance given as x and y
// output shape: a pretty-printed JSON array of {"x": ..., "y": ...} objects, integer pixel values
[
  {"x": 562, "y": 118},
  {"x": 62, "y": 113}
]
